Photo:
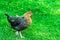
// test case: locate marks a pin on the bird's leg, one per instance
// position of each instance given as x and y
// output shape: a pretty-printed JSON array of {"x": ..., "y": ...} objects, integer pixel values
[
  {"x": 21, "y": 35},
  {"x": 17, "y": 32}
]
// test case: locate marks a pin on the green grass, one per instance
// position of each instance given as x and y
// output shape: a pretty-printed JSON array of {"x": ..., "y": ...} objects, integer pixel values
[{"x": 46, "y": 19}]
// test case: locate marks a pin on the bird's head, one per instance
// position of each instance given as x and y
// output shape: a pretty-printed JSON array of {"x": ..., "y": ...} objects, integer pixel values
[{"x": 28, "y": 13}]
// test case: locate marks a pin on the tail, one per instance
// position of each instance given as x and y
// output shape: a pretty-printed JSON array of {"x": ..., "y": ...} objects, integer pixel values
[{"x": 7, "y": 15}]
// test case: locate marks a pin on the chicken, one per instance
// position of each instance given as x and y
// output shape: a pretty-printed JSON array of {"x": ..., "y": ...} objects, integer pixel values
[{"x": 20, "y": 23}]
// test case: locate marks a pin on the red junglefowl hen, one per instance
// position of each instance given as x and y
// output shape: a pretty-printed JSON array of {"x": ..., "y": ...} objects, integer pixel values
[{"x": 20, "y": 23}]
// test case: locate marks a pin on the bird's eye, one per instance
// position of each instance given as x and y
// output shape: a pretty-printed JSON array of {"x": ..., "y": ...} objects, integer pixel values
[{"x": 23, "y": 17}]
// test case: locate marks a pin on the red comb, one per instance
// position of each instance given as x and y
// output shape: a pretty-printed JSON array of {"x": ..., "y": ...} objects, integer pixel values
[{"x": 29, "y": 12}]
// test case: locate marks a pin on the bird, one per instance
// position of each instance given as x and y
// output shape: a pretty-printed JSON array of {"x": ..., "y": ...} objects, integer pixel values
[{"x": 19, "y": 23}]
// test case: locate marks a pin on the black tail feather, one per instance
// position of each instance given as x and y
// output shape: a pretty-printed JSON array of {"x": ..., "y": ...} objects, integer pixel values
[{"x": 7, "y": 15}]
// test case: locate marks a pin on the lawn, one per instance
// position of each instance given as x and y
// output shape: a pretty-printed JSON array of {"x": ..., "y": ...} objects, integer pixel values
[{"x": 46, "y": 19}]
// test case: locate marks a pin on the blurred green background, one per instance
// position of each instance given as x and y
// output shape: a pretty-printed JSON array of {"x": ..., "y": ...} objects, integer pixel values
[{"x": 46, "y": 19}]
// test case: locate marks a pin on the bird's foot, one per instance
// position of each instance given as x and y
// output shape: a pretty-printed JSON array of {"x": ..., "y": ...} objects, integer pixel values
[
  {"x": 16, "y": 32},
  {"x": 22, "y": 37}
]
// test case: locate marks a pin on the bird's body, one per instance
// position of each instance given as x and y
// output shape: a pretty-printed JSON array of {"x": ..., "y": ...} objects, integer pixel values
[{"x": 20, "y": 23}]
